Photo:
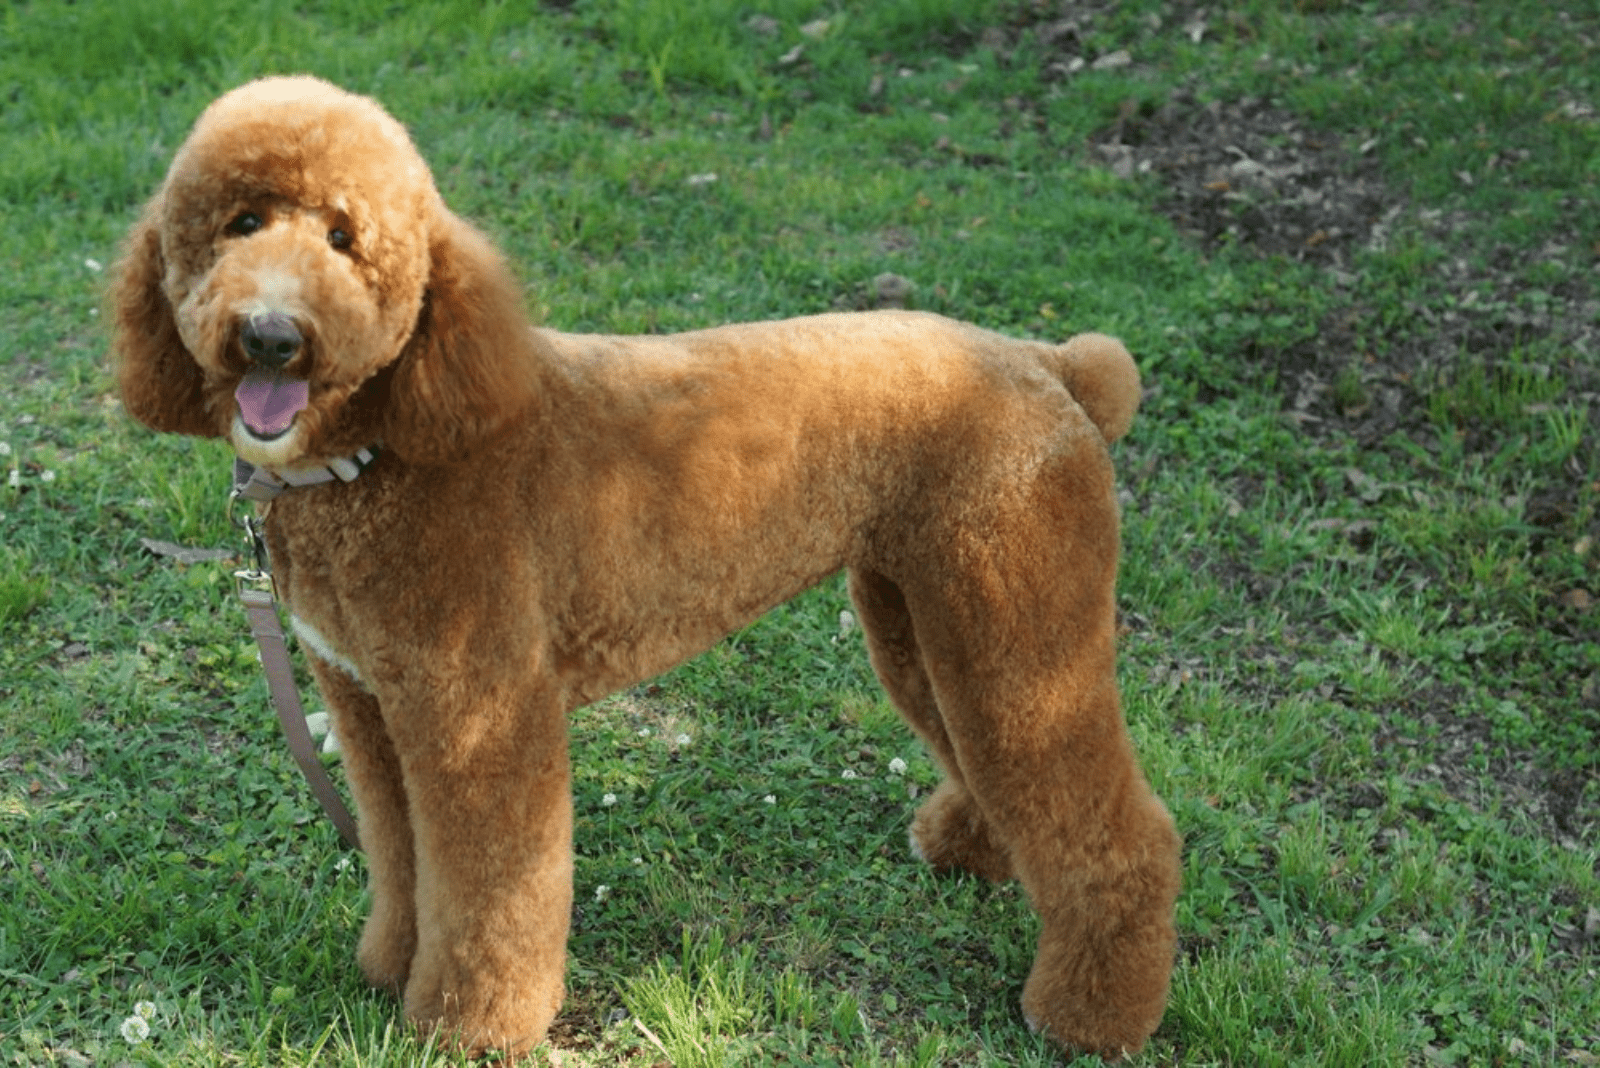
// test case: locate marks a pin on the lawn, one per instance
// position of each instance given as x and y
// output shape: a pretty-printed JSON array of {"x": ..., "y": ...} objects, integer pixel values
[{"x": 1354, "y": 247}]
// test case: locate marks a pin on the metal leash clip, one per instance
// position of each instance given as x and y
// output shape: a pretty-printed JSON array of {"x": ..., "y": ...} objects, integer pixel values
[{"x": 257, "y": 575}]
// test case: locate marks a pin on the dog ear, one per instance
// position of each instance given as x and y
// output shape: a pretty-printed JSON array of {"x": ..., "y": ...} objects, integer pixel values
[
  {"x": 468, "y": 369},
  {"x": 161, "y": 385}
]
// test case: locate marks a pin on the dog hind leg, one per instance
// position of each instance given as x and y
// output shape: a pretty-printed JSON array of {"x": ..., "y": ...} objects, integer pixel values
[
  {"x": 1016, "y": 627},
  {"x": 949, "y": 831},
  {"x": 1051, "y": 767}
]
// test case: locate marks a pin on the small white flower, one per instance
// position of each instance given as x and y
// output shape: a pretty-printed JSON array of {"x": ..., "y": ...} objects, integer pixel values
[
  {"x": 770, "y": 799},
  {"x": 94, "y": 265},
  {"x": 897, "y": 766},
  {"x": 145, "y": 1009},
  {"x": 47, "y": 476},
  {"x": 644, "y": 732},
  {"x": 342, "y": 864},
  {"x": 135, "y": 1029},
  {"x": 602, "y": 892},
  {"x": 849, "y": 773},
  {"x": 5, "y": 448},
  {"x": 683, "y": 739},
  {"x": 702, "y": 179},
  {"x": 608, "y": 800},
  {"x": 14, "y": 479},
  {"x": 638, "y": 860}
]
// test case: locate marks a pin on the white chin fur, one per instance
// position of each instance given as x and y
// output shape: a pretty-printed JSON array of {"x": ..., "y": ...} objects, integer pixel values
[{"x": 277, "y": 453}]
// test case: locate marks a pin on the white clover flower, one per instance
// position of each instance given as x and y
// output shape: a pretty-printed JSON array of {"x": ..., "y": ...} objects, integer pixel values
[
  {"x": 14, "y": 480},
  {"x": 602, "y": 892},
  {"x": 683, "y": 739},
  {"x": 644, "y": 732},
  {"x": 638, "y": 860},
  {"x": 897, "y": 766},
  {"x": 145, "y": 1009},
  {"x": 94, "y": 265},
  {"x": 135, "y": 1029},
  {"x": 770, "y": 799},
  {"x": 849, "y": 773},
  {"x": 47, "y": 476},
  {"x": 608, "y": 800},
  {"x": 5, "y": 448}
]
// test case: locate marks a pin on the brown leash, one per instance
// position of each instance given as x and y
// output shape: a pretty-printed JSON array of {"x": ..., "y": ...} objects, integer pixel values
[
  {"x": 258, "y": 594},
  {"x": 262, "y": 608}
]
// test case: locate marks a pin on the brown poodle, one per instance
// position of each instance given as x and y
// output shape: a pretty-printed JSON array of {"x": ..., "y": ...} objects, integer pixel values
[{"x": 551, "y": 517}]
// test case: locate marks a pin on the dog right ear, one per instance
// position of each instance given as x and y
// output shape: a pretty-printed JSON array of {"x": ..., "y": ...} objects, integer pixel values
[{"x": 161, "y": 385}]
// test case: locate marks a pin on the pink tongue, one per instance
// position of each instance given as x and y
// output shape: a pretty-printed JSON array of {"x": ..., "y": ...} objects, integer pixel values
[{"x": 268, "y": 401}]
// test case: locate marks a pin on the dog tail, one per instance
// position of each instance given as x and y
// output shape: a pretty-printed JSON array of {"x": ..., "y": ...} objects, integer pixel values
[{"x": 1103, "y": 377}]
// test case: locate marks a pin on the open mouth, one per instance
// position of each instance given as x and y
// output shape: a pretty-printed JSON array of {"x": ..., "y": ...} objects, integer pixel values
[{"x": 269, "y": 401}]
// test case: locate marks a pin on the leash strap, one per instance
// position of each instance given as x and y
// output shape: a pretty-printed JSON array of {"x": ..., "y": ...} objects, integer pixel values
[
  {"x": 265, "y": 626},
  {"x": 256, "y": 592}
]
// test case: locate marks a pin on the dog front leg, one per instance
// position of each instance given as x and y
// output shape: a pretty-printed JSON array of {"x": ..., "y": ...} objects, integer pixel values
[
  {"x": 491, "y": 809},
  {"x": 372, "y": 769}
]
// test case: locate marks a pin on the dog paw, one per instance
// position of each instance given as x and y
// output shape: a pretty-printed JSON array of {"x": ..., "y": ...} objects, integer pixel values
[
  {"x": 1101, "y": 975},
  {"x": 916, "y": 846},
  {"x": 1110, "y": 1056},
  {"x": 950, "y": 832},
  {"x": 1077, "y": 1043},
  {"x": 385, "y": 954},
  {"x": 505, "y": 1022}
]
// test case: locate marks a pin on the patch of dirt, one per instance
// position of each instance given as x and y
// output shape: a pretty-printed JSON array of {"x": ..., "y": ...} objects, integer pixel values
[
  {"x": 1246, "y": 173},
  {"x": 1249, "y": 175}
]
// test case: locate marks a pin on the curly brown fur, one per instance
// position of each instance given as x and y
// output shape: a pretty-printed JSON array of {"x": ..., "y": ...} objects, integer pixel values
[{"x": 555, "y": 516}]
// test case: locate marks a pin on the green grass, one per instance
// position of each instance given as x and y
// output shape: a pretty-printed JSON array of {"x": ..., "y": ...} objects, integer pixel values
[{"x": 1361, "y": 660}]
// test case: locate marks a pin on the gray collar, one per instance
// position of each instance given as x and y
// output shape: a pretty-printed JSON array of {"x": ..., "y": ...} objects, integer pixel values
[{"x": 261, "y": 485}]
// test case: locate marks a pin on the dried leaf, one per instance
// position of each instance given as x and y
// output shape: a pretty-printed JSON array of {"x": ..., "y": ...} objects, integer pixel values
[{"x": 183, "y": 554}]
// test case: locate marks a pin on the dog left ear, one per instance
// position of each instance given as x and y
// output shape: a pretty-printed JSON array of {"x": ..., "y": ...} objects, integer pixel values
[
  {"x": 468, "y": 369},
  {"x": 161, "y": 385}
]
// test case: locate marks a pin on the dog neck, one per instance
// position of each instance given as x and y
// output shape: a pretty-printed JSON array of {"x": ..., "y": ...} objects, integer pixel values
[{"x": 261, "y": 485}]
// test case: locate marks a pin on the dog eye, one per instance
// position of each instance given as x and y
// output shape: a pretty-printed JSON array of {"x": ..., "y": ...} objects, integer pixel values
[
  {"x": 244, "y": 224},
  {"x": 340, "y": 239}
]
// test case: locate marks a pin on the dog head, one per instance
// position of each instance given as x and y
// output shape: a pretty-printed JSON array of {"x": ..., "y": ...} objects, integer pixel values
[{"x": 298, "y": 287}]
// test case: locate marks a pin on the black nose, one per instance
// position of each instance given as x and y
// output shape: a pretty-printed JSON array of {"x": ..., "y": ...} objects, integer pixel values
[{"x": 270, "y": 339}]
